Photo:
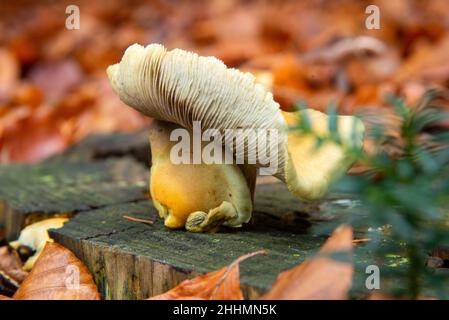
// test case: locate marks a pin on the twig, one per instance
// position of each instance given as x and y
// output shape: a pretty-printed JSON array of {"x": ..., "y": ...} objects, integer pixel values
[
  {"x": 355, "y": 241},
  {"x": 138, "y": 220}
]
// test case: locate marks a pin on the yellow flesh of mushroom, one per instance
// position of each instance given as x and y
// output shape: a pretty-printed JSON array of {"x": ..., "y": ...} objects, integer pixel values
[{"x": 199, "y": 197}]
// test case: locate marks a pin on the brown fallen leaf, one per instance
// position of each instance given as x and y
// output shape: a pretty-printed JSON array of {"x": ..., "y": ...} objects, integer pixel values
[
  {"x": 57, "y": 78},
  {"x": 11, "y": 265},
  {"x": 347, "y": 47},
  {"x": 320, "y": 277},
  {"x": 11, "y": 273},
  {"x": 31, "y": 135},
  {"x": 223, "y": 284},
  {"x": 58, "y": 275},
  {"x": 9, "y": 74},
  {"x": 138, "y": 220}
]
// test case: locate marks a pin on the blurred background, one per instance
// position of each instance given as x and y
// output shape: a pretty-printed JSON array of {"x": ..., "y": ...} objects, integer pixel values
[{"x": 54, "y": 90}]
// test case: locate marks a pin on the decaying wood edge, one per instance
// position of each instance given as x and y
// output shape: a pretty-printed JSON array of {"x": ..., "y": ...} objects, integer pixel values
[{"x": 110, "y": 268}]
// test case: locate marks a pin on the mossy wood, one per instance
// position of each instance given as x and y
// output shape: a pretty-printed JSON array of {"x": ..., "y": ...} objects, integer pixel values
[
  {"x": 29, "y": 193},
  {"x": 103, "y": 146},
  {"x": 132, "y": 260}
]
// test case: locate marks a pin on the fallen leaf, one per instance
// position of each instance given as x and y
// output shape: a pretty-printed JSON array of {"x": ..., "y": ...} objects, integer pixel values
[
  {"x": 9, "y": 74},
  {"x": 11, "y": 265},
  {"x": 31, "y": 135},
  {"x": 28, "y": 94},
  {"x": 223, "y": 284},
  {"x": 441, "y": 252},
  {"x": 57, "y": 78},
  {"x": 58, "y": 275},
  {"x": 320, "y": 277},
  {"x": 11, "y": 273},
  {"x": 347, "y": 47}
]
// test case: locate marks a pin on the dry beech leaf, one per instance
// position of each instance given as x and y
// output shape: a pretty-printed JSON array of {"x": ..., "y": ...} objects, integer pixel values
[
  {"x": 57, "y": 78},
  {"x": 9, "y": 74},
  {"x": 11, "y": 273},
  {"x": 54, "y": 277},
  {"x": 11, "y": 264},
  {"x": 223, "y": 284},
  {"x": 320, "y": 277}
]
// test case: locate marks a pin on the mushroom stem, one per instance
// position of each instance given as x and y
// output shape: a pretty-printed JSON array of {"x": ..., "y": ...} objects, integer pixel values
[{"x": 199, "y": 197}]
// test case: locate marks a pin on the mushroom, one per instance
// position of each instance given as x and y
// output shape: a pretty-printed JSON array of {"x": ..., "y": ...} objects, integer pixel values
[
  {"x": 35, "y": 236},
  {"x": 180, "y": 87}
]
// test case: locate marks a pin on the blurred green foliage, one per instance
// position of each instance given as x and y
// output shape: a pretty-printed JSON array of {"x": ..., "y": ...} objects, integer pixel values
[{"x": 404, "y": 195}]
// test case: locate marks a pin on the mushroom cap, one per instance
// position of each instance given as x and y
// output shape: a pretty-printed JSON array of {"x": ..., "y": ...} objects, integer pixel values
[{"x": 181, "y": 87}]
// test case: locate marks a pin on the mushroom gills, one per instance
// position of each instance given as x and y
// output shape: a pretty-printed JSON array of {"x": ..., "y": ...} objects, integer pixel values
[{"x": 198, "y": 197}]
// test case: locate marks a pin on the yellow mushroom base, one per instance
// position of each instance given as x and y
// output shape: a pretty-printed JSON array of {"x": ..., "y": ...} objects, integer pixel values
[
  {"x": 197, "y": 197},
  {"x": 200, "y": 197}
]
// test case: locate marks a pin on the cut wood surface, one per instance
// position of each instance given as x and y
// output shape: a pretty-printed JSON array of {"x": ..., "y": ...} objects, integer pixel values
[
  {"x": 29, "y": 193},
  {"x": 103, "y": 146}
]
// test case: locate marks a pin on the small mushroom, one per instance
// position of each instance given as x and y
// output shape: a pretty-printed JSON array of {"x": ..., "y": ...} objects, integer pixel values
[
  {"x": 35, "y": 236},
  {"x": 181, "y": 87}
]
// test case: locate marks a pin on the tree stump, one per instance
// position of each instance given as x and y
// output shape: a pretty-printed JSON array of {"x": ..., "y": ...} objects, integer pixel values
[
  {"x": 132, "y": 260},
  {"x": 29, "y": 193},
  {"x": 103, "y": 146}
]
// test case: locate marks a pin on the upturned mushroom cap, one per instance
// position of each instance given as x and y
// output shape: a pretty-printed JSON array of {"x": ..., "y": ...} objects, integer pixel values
[{"x": 181, "y": 87}]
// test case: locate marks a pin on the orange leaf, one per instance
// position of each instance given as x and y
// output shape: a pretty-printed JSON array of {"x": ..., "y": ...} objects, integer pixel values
[
  {"x": 223, "y": 284},
  {"x": 54, "y": 277},
  {"x": 320, "y": 277},
  {"x": 11, "y": 264}
]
